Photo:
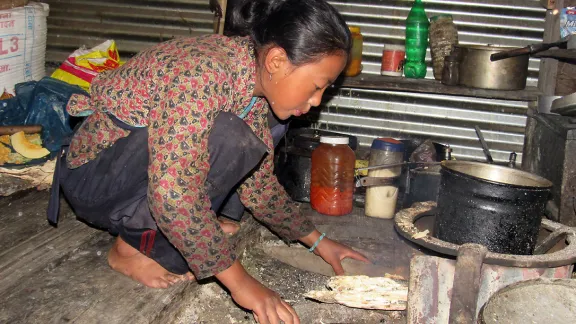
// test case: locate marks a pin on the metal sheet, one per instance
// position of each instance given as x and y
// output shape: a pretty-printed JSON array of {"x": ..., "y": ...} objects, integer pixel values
[
  {"x": 446, "y": 119},
  {"x": 133, "y": 24},
  {"x": 432, "y": 279},
  {"x": 136, "y": 25}
]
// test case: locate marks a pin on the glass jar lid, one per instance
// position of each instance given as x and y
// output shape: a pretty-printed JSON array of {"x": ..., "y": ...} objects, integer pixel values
[{"x": 387, "y": 144}]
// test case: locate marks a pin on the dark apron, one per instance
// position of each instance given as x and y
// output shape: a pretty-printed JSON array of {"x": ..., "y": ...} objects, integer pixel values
[{"x": 110, "y": 192}]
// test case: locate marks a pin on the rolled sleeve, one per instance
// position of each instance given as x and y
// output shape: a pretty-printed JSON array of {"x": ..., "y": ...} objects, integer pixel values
[{"x": 268, "y": 201}]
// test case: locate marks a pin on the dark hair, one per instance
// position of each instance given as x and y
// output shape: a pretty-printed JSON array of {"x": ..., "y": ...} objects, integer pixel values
[{"x": 305, "y": 29}]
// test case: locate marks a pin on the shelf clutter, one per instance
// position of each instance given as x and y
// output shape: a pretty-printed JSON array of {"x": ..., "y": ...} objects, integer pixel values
[{"x": 380, "y": 82}]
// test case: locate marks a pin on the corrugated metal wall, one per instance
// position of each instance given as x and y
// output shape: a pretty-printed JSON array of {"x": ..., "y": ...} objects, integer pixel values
[
  {"x": 137, "y": 24},
  {"x": 446, "y": 119},
  {"x": 133, "y": 24}
]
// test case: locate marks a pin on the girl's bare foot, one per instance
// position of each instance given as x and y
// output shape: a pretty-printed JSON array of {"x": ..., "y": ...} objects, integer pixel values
[
  {"x": 229, "y": 227},
  {"x": 130, "y": 262}
]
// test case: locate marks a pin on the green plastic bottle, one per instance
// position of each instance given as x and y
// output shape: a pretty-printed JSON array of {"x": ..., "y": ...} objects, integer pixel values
[{"x": 416, "y": 41}]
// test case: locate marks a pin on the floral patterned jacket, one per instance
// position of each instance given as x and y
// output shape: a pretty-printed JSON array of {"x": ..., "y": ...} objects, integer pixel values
[{"x": 177, "y": 89}]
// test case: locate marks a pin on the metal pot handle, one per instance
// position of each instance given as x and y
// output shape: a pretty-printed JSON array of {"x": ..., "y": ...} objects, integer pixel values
[
  {"x": 530, "y": 49},
  {"x": 375, "y": 181}
]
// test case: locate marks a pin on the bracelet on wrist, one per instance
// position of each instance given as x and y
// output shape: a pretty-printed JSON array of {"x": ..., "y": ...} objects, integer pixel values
[{"x": 317, "y": 242}]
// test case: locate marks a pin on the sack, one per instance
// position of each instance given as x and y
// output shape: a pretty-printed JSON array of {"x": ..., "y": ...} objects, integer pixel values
[
  {"x": 84, "y": 64},
  {"x": 22, "y": 44}
]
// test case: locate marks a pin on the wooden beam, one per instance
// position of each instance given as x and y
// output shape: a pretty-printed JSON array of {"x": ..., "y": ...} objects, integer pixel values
[
  {"x": 219, "y": 21},
  {"x": 549, "y": 66}
]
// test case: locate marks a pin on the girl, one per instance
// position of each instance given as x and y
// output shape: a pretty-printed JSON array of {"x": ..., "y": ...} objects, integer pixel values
[{"x": 178, "y": 127}]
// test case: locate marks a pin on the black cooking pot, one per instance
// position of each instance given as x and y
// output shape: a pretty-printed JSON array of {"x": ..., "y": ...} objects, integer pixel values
[{"x": 498, "y": 207}]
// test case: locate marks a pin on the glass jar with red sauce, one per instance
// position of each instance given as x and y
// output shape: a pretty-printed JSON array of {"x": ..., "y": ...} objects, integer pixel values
[{"x": 332, "y": 181}]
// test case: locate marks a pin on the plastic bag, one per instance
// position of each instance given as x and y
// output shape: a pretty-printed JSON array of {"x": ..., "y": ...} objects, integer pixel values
[
  {"x": 568, "y": 21},
  {"x": 84, "y": 64},
  {"x": 41, "y": 103},
  {"x": 426, "y": 152}
]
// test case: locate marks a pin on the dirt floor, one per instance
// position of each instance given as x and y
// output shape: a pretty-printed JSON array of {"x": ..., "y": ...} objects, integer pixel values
[
  {"x": 291, "y": 283},
  {"x": 56, "y": 275}
]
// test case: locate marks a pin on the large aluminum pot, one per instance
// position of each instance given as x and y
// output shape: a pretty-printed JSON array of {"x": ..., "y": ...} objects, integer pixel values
[
  {"x": 477, "y": 71},
  {"x": 498, "y": 207}
]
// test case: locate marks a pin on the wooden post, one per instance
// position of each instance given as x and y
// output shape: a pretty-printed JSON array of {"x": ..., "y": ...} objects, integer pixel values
[
  {"x": 219, "y": 21},
  {"x": 549, "y": 67}
]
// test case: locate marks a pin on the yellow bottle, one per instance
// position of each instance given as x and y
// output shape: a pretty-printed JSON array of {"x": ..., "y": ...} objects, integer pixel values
[{"x": 354, "y": 66}]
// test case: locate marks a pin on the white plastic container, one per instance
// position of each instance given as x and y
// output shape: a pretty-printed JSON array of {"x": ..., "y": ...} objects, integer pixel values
[
  {"x": 381, "y": 200},
  {"x": 393, "y": 60}
]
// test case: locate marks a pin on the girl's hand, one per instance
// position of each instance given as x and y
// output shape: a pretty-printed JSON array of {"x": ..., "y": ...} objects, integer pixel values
[
  {"x": 332, "y": 252},
  {"x": 267, "y": 306}
]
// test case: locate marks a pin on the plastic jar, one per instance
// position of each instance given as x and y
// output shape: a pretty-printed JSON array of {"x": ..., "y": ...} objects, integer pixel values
[
  {"x": 354, "y": 66},
  {"x": 443, "y": 37},
  {"x": 381, "y": 200},
  {"x": 332, "y": 181},
  {"x": 393, "y": 60},
  {"x": 451, "y": 72}
]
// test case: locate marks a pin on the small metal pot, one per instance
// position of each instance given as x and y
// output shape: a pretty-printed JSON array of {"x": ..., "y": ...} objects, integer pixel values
[{"x": 477, "y": 71}]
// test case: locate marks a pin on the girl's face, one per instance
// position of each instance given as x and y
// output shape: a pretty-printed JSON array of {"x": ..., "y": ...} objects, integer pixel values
[{"x": 291, "y": 90}]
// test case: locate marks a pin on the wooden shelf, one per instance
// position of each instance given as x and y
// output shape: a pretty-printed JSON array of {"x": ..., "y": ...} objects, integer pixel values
[
  {"x": 568, "y": 55},
  {"x": 380, "y": 82}
]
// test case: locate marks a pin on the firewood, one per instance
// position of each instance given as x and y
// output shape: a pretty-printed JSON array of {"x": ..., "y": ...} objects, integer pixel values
[{"x": 382, "y": 293}]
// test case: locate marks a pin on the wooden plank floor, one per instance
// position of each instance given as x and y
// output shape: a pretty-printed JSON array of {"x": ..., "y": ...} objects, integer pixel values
[{"x": 57, "y": 275}]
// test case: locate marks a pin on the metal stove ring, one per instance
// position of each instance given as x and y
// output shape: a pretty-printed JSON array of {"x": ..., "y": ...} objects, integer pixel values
[{"x": 404, "y": 223}]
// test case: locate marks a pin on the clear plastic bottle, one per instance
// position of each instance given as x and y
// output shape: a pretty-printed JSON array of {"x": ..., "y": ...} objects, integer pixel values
[
  {"x": 417, "y": 25},
  {"x": 332, "y": 176},
  {"x": 381, "y": 200}
]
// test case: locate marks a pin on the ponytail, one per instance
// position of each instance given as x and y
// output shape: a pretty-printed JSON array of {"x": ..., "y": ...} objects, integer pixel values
[{"x": 306, "y": 29}]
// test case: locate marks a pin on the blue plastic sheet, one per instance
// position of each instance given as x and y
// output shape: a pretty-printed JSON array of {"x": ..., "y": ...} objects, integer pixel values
[{"x": 42, "y": 103}]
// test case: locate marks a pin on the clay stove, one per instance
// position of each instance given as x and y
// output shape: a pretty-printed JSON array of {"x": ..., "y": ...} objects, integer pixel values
[{"x": 442, "y": 289}]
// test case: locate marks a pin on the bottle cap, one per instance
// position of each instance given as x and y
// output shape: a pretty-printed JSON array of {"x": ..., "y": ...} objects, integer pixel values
[
  {"x": 387, "y": 144},
  {"x": 354, "y": 29},
  {"x": 334, "y": 140},
  {"x": 442, "y": 16}
]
